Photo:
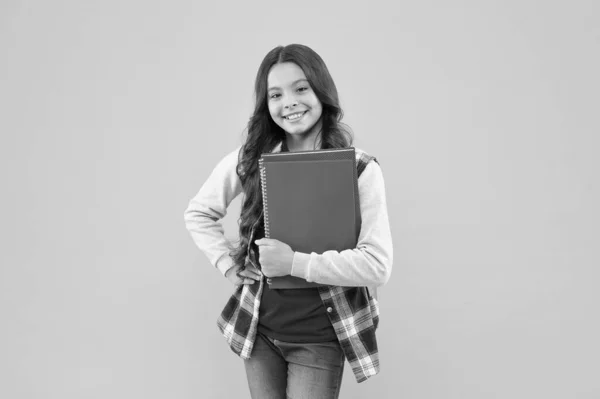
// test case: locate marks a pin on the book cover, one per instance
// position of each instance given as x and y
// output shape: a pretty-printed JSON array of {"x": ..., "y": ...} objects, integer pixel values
[{"x": 311, "y": 203}]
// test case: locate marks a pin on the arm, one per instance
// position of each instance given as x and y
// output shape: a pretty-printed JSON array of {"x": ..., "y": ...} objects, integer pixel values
[
  {"x": 370, "y": 263},
  {"x": 209, "y": 206}
]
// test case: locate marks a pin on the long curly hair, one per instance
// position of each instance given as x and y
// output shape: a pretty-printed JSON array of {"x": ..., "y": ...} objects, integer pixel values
[{"x": 264, "y": 134}]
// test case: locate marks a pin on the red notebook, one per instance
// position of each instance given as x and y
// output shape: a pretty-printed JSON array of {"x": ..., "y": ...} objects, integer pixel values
[{"x": 311, "y": 203}]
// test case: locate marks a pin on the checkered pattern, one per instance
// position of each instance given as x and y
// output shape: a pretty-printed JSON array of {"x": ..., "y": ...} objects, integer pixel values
[{"x": 354, "y": 316}]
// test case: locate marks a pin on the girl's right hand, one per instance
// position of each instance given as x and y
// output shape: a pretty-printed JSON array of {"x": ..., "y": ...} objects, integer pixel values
[{"x": 246, "y": 275}]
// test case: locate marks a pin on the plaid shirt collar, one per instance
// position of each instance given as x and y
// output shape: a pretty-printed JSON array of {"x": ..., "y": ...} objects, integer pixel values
[{"x": 354, "y": 316}]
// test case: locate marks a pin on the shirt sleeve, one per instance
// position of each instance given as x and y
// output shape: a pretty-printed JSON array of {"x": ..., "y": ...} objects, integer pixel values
[
  {"x": 203, "y": 214},
  {"x": 370, "y": 263}
]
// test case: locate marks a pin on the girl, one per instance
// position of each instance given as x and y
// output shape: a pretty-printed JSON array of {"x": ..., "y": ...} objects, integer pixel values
[{"x": 294, "y": 342}]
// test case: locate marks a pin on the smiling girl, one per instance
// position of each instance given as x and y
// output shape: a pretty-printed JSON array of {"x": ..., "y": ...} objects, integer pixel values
[{"x": 294, "y": 342}]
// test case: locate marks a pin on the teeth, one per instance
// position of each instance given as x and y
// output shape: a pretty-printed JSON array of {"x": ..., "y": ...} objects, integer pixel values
[{"x": 294, "y": 116}]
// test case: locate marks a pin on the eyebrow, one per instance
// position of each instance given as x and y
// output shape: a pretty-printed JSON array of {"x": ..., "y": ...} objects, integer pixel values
[{"x": 293, "y": 83}]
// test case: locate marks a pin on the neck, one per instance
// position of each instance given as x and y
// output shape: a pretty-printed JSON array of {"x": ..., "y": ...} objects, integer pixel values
[{"x": 308, "y": 141}]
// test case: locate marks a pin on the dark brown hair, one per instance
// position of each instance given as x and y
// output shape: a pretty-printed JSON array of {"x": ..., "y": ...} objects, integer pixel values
[{"x": 264, "y": 134}]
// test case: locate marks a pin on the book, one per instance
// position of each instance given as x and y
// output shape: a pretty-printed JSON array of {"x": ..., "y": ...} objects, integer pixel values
[{"x": 311, "y": 203}]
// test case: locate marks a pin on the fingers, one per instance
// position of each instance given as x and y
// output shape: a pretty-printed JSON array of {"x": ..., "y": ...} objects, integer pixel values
[
  {"x": 250, "y": 266},
  {"x": 250, "y": 272},
  {"x": 245, "y": 281},
  {"x": 244, "y": 275},
  {"x": 265, "y": 241},
  {"x": 239, "y": 279}
]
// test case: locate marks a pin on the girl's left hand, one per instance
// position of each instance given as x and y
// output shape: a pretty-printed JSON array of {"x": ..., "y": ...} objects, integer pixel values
[{"x": 275, "y": 257}]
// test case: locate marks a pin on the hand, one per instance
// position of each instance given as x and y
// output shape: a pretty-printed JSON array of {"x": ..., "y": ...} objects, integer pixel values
[
  {"x": 246, "y": 275},
  {"x": 275, "y": 257}
]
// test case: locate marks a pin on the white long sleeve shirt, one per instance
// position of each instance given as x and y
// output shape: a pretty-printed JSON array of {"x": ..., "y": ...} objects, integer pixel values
[{"x": 369, "y": 264}]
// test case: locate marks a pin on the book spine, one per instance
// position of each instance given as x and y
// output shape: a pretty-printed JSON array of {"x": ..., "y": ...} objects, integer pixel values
[{"x": 263, "y": 183}]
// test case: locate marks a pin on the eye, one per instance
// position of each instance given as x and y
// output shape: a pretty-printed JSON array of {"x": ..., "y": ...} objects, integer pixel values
[
  {"x": 274, "y": 96},
  {"x": 302, "y": 88}
]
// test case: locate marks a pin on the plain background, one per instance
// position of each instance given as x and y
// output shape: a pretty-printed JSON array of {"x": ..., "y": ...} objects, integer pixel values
[{"x": 484, "y": 116}]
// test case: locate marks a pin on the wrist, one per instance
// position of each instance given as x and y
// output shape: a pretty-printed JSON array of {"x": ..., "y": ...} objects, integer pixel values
[
  {"x": 229, "y": 271},
  {"x": 300, "y": 265},
  {"x": 291, "y": 263}
]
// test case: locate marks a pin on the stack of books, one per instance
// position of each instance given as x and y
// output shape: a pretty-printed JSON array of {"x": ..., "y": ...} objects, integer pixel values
[{"x": 311, "y": 203}]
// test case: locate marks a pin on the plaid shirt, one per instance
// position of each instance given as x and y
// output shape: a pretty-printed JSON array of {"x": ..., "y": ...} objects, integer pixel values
[{"x": 354, "y": 317}]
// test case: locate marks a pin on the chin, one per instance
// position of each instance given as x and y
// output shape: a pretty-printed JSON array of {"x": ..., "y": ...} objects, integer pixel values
[
  {"x": 298, "y": 132},
  {"x": 299, "y": 129}
]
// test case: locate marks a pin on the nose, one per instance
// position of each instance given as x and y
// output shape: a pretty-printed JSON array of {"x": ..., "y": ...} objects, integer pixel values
[{"x": 290, "y": 102}]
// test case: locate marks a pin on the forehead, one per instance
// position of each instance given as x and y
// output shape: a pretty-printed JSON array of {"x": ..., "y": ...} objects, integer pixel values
[{"x": 284, "y": 74}]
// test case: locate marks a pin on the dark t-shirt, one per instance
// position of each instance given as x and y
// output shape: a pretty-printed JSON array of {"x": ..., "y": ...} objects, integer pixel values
[{"x": 294, "y": 315}]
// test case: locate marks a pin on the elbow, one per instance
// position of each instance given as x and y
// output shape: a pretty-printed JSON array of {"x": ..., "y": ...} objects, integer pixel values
[
  {"x": 193, "y": 218},
  {"x": 384, "y": 273},
  {"x": 188, "y": 218},
  {"x": 382, "y": 269},
  {"x": 188, "y": 212}
]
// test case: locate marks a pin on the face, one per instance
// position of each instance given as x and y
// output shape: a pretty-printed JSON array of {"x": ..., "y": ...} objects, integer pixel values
[{"x": 293, "y": 104}]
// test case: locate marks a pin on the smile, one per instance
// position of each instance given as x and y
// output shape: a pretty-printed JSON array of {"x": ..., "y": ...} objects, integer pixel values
[{"x": 295, "y": 116}]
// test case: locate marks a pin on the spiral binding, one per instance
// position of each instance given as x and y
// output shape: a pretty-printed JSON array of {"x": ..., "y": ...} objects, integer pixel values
[{"x": 263, "y": 183}]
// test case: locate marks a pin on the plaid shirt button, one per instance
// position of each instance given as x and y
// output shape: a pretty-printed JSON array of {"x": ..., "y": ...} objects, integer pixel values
[
  {"x": 269, "y": 281},
  {"x": 329, "y": 309}
]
